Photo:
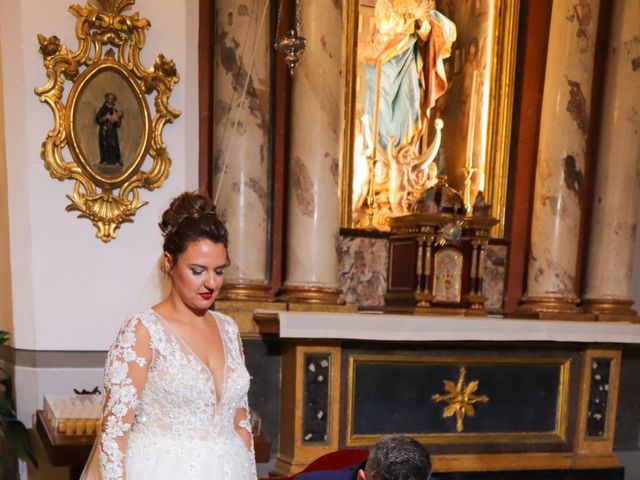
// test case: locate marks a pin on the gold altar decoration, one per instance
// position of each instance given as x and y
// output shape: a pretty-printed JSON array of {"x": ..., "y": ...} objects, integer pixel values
[
  {"x": 465, "y": 135},
  {"x": 437, "y": 255},
  {"x": 106, "y": 121},
  {"x": 460, "y": 399}
]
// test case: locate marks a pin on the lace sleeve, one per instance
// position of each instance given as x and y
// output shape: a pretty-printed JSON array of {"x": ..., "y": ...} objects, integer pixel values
[
  {"x": 124, "y": 377},
  {"x": 243, "y": 416}
]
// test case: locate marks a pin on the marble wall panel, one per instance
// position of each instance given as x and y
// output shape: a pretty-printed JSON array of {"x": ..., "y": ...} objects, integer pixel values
[
  {"x": 598, "y": 397},
  {"x": 315, "y": 412},
  {"x": 494, "y": 274},
  {"x": 362, "y": 270}
]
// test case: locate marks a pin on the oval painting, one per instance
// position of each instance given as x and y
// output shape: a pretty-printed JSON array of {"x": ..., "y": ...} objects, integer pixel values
[{"x": 108, "y": 123}]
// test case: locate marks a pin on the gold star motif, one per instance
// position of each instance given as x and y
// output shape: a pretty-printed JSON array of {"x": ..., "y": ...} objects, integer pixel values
[{"x": 460, "y": 399}]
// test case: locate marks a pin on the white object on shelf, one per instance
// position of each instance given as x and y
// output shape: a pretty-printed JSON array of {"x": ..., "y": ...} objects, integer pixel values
[{"x": 73, "y": 414}]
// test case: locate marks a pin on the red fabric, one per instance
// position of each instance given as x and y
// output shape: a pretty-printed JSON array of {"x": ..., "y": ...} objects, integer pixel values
[{"x": 333, "y": 461}]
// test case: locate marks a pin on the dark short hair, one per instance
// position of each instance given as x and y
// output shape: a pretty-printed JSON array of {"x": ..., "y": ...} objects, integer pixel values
[
  {"x": 190, "y": 217},
  {"x": 110, "y": 94},
  {"x": 398, "y": 457}
]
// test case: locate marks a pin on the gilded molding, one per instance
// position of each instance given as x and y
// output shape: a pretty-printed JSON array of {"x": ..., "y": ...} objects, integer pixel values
[
  {"x": 559, "y": 434},
  {"x": 109, "y": 45}
]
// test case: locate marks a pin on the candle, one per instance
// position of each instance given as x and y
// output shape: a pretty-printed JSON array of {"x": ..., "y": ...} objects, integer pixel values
[{"x": 472, "y": 119}]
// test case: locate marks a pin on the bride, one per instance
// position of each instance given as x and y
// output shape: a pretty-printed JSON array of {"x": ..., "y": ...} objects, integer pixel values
[{"x": 175, "y": 382}]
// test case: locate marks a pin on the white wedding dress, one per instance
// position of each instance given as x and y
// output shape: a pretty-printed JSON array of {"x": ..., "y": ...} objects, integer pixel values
[{"x": 162, "y": 417}]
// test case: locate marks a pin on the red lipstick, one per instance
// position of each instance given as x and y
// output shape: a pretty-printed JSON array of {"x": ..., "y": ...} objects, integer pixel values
[{"x": 206, "y": 295}]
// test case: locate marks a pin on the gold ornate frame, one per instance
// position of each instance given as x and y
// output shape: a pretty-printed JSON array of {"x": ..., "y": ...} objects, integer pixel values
[
  {"x": 109, "y": 45},
  {"x": 499, "y": 112},
  {"x": 562, "y": 406}
]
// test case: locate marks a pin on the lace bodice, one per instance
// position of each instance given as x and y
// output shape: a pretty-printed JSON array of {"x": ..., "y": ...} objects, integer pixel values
[{"x": 156, "y": 388}]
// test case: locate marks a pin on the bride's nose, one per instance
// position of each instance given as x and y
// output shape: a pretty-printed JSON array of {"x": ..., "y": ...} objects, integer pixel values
[{"x": 210, "y": 281}]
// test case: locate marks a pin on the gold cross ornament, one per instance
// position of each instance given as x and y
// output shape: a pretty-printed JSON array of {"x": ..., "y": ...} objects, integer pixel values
[{"x": 460, "y": 399}]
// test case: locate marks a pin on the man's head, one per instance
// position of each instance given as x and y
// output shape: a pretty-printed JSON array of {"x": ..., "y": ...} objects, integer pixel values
[{"x": 397, "y": 457}]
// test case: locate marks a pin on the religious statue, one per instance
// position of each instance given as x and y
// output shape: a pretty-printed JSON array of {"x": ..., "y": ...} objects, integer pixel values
[
  {"x": 411, "y": 172},
  {"x": 480, "y": 207},
  {"x": 109, "y": 119},
  {"x": 405, "y": 75}
]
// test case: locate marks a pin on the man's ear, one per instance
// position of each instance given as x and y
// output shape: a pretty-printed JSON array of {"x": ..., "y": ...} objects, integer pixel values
[{"x": 361, "y": 475}]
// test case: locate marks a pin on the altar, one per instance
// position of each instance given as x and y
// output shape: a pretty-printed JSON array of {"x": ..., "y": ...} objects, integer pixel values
[{"x": 483, "y": 394}]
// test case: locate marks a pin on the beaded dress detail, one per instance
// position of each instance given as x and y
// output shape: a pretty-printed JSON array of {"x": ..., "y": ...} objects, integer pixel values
[{"x": 162, "y": 416}]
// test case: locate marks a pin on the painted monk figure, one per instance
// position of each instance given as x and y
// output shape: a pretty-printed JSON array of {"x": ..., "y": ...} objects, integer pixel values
[{"x": 109, "y": 119}]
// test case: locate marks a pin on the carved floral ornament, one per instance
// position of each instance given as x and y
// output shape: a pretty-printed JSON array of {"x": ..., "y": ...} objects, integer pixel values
[
  {"x": 460, "y": 398},
  {"x": 106, "y": 121}
]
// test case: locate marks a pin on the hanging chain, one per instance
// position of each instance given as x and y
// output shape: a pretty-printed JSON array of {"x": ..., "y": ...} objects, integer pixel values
[
  {"x": 291, "y": 43},
  {"x": 298, "y": 17}
]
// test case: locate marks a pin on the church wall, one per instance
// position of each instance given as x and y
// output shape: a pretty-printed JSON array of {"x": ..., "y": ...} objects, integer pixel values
[
  {"x": 5, "y": 264},
  {"x": 71, "y": 291}
]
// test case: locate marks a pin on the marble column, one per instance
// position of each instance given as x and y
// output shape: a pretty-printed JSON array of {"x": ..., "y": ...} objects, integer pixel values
[
  {"x": 617, "y": 183},
  {"x": 241, "y": 140},
  {"x": 560, "y": 172},
  {"x": 312, "y": 223}
]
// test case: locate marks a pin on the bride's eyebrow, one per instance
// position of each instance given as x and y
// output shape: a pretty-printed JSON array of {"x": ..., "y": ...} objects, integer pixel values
[{"x": 224, "y": 265}]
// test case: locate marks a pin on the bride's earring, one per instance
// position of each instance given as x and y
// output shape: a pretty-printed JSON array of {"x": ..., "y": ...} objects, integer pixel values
[{"x": 167, "y": 263}]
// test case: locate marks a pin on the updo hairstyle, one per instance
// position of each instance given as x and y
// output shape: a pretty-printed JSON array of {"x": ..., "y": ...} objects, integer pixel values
[{"x": 190, "y": 217}]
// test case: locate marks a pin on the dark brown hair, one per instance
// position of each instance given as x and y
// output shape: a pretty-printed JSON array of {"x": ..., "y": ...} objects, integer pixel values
[
  {"x": 398, "y": 457},
  {"x": 190, "y": 217}
]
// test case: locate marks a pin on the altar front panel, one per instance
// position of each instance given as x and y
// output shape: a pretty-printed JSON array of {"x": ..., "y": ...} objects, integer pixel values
[
  {"x": 477, "y": 407},
  {"x": 518, "y": 399}
]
